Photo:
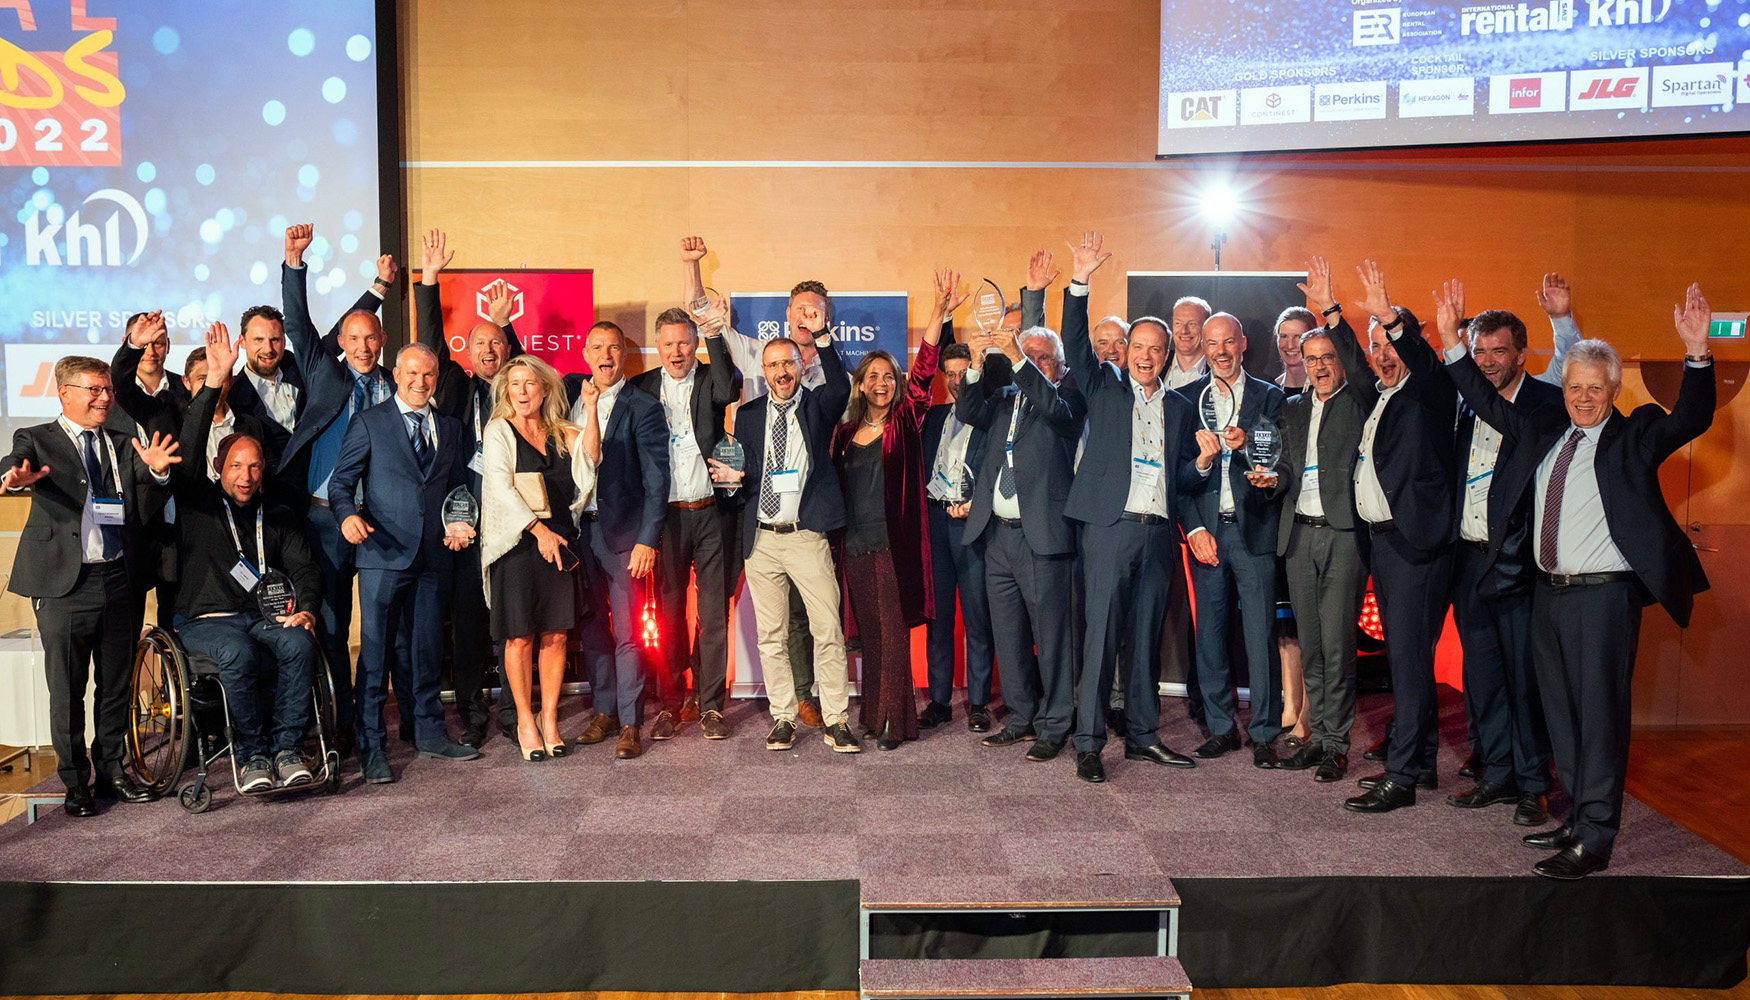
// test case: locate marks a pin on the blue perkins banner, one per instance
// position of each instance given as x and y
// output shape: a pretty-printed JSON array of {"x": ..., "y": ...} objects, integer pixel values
[{"x": 861, "y": 321}]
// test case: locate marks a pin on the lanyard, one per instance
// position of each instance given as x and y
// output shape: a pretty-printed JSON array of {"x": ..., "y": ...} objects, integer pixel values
[
  {"x": 237, "y": 540},
  {"x": 115, "y": 468}
]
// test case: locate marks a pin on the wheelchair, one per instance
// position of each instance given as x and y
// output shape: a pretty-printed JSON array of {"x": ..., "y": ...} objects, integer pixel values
[{"x": 179, "y": 720}]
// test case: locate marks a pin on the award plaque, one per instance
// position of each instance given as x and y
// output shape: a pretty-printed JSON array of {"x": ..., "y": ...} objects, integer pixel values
[
  {"x": 274, "y": 596},
  {"x": 1264, "y": 445},
  {"x": 730, "y": 453},
  {"x": 988, "y": 306},
  {"x": 966, "y": 483},
  {"x": 708, "y": 315},
  {"x": 460, "y": 507},
  {"x": 1217, "y": 407}
]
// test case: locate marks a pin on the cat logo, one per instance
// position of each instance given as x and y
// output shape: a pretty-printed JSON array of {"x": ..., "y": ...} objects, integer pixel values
[{"x": 1200, "y": 109}]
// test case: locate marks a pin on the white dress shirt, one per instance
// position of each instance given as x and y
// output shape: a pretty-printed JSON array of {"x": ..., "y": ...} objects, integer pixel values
[
  {"x": 279, "y": 397},
  {"x": 1310, "y": 501},
  {"x": 795, "y": 457},
  {"x": 604, "y": 408},
  {"x": 1479, "y": 474},
  {"x": 1370, "y": 501},
  {"x": 1178, "y": 378},
  {"x": 1226, "y": 504},
  {"x": 430, "y": 422},
  {"x": 222, "y": 428},
  {"x": 1583, "y": 542},
  {"x": 90, "y": 532},
  {"x": 689, "y": 478},
  {"x": 1149, "y": 467}
]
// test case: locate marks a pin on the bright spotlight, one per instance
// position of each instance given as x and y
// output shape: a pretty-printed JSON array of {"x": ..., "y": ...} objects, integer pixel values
[{"x": 1219, "y": 204}]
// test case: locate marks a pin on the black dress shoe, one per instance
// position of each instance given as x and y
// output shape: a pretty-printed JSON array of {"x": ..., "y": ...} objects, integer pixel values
[
  {"x": 79, "y": 803},
  {"x": 1472, "y": 766},
  {"x": 475, "y": 738},
  {"x": 1572, "y": 864},
  {"x": 1383, "y": 797},
  {"x": 1043, "y": 750},
  {"x": 1425, "y": 780},
  {"x": 1378, "y": 750},
  {"x": 1159, "y": 753},
  {"x": 1559, "y": 839},
  {"x": 934, "y": 714},
  {"x": 1307, "y": 756},
  {"x": 1264, "y": 755},
  {"x": 1089, "y": 767},
  {"x": 1332, "y": 768},
  {"x": 406, "y": 732},
  {"x": 1532, "y": 810},
  {"x": 1116, "y": 722},
  {"x": 1007, "y": 737},
  {"x": 1215, "y": 746},
  {"x": 1484, "y": 793},
  {"x": 887, "y": 740},
  {"x": 122, "y": 788},
  {"x": 978, "y": 718}
]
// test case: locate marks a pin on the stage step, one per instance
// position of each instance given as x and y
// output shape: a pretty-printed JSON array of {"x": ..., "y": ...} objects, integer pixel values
[
  {"x": 986, "y": 892},
  {"x": 916, "y": 979}
]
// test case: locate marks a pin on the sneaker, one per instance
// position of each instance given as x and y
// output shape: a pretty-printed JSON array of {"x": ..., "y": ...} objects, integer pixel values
[
  {"x": 714, "y": 725},
  {"x": 289, "y": 767},
  {"x": 839, "y": 737},
  {"x": 257, "y": 775},
  {"x": 783, "y": 734}
]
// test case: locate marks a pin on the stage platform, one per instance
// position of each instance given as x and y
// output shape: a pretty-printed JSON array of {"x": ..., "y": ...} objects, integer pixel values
[{"x": 725, "y": 867}]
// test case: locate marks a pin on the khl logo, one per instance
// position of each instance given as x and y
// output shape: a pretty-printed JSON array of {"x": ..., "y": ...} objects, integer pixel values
[{"x": 84, "y": 242}]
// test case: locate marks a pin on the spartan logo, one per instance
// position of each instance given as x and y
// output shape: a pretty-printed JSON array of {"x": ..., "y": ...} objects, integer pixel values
[{"x": 82, "y": 243}]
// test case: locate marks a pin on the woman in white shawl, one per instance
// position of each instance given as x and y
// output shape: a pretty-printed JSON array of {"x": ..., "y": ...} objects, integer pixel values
[{"x": 538, "y": 471}]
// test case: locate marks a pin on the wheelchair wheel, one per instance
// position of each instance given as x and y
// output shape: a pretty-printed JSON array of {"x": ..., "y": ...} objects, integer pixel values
[
  {"x": 327, "y": 727},
  {"x": 160, "y": 735},
  {"x": 196, "y": 798}
]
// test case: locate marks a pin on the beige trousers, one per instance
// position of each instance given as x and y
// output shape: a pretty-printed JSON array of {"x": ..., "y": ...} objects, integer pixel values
[{"x": 804, "y": 559}]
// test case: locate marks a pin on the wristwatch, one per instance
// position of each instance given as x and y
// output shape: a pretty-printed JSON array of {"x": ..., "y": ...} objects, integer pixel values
[
  {"x": 1336, "y": 307},
  {"x": 1397, "y": 320},
  {"x": 1699, "y": 359}
]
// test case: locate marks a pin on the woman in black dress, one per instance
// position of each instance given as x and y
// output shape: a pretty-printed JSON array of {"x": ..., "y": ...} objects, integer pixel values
[{"x": 538, "y": 472}]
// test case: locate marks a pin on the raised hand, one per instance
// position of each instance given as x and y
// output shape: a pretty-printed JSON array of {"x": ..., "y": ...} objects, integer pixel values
[
  {"x": 1555, "y": 297},
  {"x": 159, "y": 454},
  {"x": 692, "y": 248},
  {"x": 387, "y": 269},
  {"x": 22, "y": 475},
  {"x": 437, "y": 256},
  {"x": 298, "y": 239},
  {"x": 1449, "y": 311},
  {"x": 1317, "y": 286},
  {"x": 356, "y": 529},
  {"x": 950, "y": 294},
  {"x": 1693, "y": 318},
  {"x": 147, "y": 330},
  {"x": 221, "y": 355},
  {"x": 1374, "y": 299},
  {"x": 1087, "y": 257},
  {"x": 498, "y": 302},
  {"x": 1039, "y": 271},
  {"x": 813, "y": 320}
]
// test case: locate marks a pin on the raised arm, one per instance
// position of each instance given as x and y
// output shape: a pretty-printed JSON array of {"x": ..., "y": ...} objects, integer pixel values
[
  {"x": 1694, "y": 412},
  {"x": 1350, "y": 353},
  {"x": 722, "y": 379},
  {"x": 1556, "y": 299},
  {"x": 1061, "y": 406},
  {"x": 1040, "y": 275},
  {"x": 429, "y": 301},
  {"x": 125, "y": 366}
]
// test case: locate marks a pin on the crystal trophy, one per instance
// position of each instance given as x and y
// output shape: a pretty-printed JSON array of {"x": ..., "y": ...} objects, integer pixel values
[
  {"x": 710, "y": 312},
  {"x": 730, "y": 453},
  {"x": 1264, "y": 445},
  {"x": 966, "y": 483},
  {"x": 989, "y": 306},
  {"x": 1217, "y": 407},
  {"x": 274, "y": 596},
  {"x": 460, "y": 507}
]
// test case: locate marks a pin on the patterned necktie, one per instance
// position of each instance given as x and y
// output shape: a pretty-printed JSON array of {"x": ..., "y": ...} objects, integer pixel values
[
  {"x": 421, "y": 447},
  {"x": 1551, "y": 521},
  {"x": 101, "y": 484},
  {"x": 769, "y": 502},
  {"x": 1006, "y": 475},
  {"x": 361, "y": 387}
]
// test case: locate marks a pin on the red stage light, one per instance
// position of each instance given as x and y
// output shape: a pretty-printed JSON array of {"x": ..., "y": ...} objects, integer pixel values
[
  {"x": 1369, "y": 621},
  {"x": 651, "y": 635}
]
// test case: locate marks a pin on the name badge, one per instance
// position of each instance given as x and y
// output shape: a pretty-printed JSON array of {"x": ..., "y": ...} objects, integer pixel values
[
  {"x": 1477, "y": 486},
  {"x": 1145, "y": 472},
  {"x": 1309, "y": 479},
  {"x": 107, "y": 511},
  {"x": 244, "y": 576},
  {"x": 476, "y": 465},
  {"x": 787, "y": 481}
]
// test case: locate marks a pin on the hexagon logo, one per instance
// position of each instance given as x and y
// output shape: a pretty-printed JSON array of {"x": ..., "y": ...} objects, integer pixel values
[{"x": 483, "y": 301}]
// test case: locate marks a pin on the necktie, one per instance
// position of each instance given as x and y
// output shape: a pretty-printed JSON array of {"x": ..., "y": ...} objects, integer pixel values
[
  {"x": 775, "y": 460},
  {"x": 101, "y": 480},
  {"x": 360, "y": 393},
  {"x": 1006, "y": 476},
  {"x": 421, "y": 447},
  {"x": 1550, "y": 523}
]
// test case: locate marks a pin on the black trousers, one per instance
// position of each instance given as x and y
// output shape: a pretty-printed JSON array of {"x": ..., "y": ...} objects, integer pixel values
[
  {"x": 1029, "y": 614},
  {"x": 692, "y": 544},
  {"x": 1129, "y": 569},
  {"x": 1501, "y": 705},
  {"x": 98, "y": 621},
  {"x": 1410, "y": 585},
  {"x": 958, "y": 566},
  {"x": 471, "y": 640},
  {"x": 1583, "y": 642}
]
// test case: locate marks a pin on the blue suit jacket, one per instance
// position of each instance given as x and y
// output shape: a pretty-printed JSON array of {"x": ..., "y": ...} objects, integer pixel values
[
  {"x": 632, "y": 477},
  {"x": 399, "y": 502},
  {"x": 327, "y": 382},
  {"x": 818, "y": 410},
  {"x": 1259, "y": 511}
]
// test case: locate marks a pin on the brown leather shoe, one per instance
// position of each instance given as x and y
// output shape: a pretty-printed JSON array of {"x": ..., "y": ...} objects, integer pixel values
[
  {"x": 808, "y": 713},
  {"x": 690, "y": 710},
  {"x": 628, "y": 745},
  {"x": 600, "y": 728}
]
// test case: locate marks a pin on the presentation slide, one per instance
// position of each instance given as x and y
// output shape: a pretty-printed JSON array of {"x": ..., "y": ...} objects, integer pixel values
[
  {"x": 1264, "y": 75},
  {"x": 152, "y": 153}
]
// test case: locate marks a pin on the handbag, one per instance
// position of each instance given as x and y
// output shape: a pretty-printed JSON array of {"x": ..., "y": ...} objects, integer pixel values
[{"x": 531, "y": 488}]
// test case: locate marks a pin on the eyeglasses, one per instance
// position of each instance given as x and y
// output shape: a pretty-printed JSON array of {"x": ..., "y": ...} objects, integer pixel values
[
  {"x": 775, "y": 366},
  {"x": 1320, "y": 360},
  {"x": 96, "y": 391}
]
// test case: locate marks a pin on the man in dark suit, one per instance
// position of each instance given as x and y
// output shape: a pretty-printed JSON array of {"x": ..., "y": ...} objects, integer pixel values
[
  {"x": 465, "y": 395},
  {"x": 1018, "y": 393},
  {"x": 1325, "y": 552},
  {"x": 151, "y": 399},
  {"x": 951, "y": 451},
  {"x": 694, "y": 398},
  {"x": 1605, "y": 545},
  {"x": 1404, "y": 490},
  {"x": 83, "y": 563},
  {"x": 404, "y": 458},
  {"x": 1231, "y": 528},
  {"x": 1491, "y": 610},
  {"x": 342, "y": 377},
  {"x": 1144, "y": 450},
  {"x": 792, "y": 502},
  {"x": 625, "y": 517}
]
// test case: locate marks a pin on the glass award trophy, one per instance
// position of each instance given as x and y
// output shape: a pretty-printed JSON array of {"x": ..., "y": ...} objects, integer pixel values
[
  {"x": 274, "y": 596},
  {"x": 710, "y": 311},
  {"x": 966, "y": 483},
  {"x": 988, "y": 306},
  {"x": 730, "y": 453},
  {"x": 460, "y": 507},
  {"x": 1217, "y": 406},
  {"x": 1264, "y": 445}
]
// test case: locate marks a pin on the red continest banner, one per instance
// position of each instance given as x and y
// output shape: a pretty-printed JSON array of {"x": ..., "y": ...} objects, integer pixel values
[{"x": 551, "y": 310}]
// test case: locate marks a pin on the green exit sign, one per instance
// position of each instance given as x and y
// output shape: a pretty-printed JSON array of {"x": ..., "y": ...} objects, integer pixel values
[{"x": 1729, "y": 327}]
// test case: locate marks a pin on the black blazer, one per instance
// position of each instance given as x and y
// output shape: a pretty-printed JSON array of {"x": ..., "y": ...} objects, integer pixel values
[
  {"x": 1412, "y": 448},
  {"x": 818, "y": 410},
  {"x": 246, "y": 401},
  {"x": 715, "y": 386},
  {"x": 1339, "y": 441},
  {"x": 50, "y": 548},
  {"x": 1630, "y": 450},
  {"x": 1102, "y": 483},
  {"x": 134, "y": 409},
  {"x": 1045, "y": 448},
  {"x": 454, "y": 394},
  {"x": 1259, "y": 511},
  {"x": 327, "y": 382},
  {"x": 632, "y": 477}
]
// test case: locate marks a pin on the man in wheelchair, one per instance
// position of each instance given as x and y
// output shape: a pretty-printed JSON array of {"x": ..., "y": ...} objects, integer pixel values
[{"x": 238, "y": 551}]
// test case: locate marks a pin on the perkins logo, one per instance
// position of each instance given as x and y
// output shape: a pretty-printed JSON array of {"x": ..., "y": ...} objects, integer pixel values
[
  {"x": 1377, "y": 27},
  {"x": 82, "y": 243},
  {"x": 483, "y": 301},
  {"x": 1621, "y": 13},
  {"x": 1525, "y": 93},
  {"x": 845, "y": 332},
  {"x": 1337, "y": 102}
]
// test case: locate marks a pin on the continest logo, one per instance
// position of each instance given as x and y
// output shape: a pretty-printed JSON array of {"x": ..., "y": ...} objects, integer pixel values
[
  {"x": 1273, "y": 101},
  {"x": 84, "y": 243},
  {"x": 483, "y": 301}
]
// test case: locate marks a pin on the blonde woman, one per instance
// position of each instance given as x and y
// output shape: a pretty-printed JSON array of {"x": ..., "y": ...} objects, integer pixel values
[{"x": 538, "y": 473}]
